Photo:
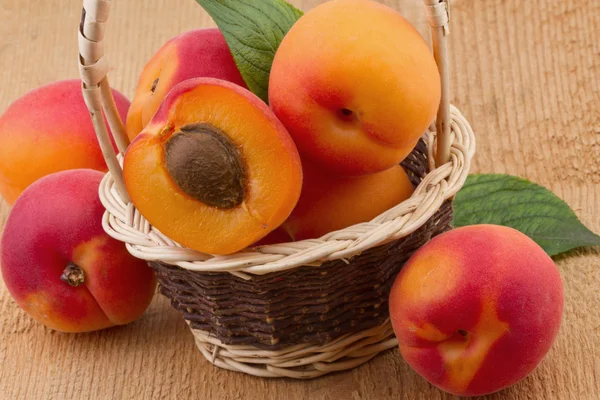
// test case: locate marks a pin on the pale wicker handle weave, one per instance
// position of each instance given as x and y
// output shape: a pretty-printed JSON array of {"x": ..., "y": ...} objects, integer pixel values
[
  {"x": 438, "y": 15},
  {"x": 93, "y": 69}
]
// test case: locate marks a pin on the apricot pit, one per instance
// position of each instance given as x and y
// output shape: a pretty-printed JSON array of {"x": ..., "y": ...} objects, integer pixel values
[{"x": 205, "y": 163}]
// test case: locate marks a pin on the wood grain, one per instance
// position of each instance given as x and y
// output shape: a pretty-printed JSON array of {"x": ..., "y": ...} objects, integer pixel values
[{"x": 526, "y": 74}]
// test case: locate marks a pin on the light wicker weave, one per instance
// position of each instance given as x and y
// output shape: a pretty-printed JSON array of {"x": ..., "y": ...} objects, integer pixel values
[{"x": 181, "y": 270}]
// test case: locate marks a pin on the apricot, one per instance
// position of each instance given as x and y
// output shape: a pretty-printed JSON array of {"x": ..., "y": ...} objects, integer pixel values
[
  {"x": 329, "y": 202},
  {"x": 214, "y": 170},
  {"x": 277, "y": 236},
  {"x": 477, "y": 308},
  {"x": 48, "y": 130},
  {"x": 61, "y": 267},
  {"x": 355, "y": 85},
  {"x": 194, "y": 54}
]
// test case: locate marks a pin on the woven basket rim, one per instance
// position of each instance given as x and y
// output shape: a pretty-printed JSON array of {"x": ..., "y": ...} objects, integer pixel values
[
  {"x": 451, "y": 143},
  {"x": 302, "y": 361}
]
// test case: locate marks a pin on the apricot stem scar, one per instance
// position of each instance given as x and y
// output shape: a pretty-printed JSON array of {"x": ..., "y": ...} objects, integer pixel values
[
  {"x": 153, "y": 88},
  {"x": 73, "y": 275},
  {"x": 347, "y": 115}
]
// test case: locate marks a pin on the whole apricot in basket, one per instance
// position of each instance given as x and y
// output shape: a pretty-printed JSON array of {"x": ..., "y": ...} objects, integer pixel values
[
  {"x": 277, "y": 236},
  {"x": 330, "y": 202},
  {"x": 355, "y": 85},
  {"x": 214, "y": 170},
  {"x": 59, "y": 264},
  {"x": 193, "y": 54},
  {"x": 477, "y": 308},
  {"x": 48, "y": 130}
]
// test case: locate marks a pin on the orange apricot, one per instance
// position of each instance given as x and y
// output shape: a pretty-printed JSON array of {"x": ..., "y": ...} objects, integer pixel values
[
  {"x": 193, "y": 54},
  {"x": 477, "y": 308},
  {"x": 328, "y": 202},
  {"x": 355, "y": 85},
  {"x": 214, "y": 170},
  {"x": 48, "y": 130},
  {"x": 61, "y": 267},
  {"x": 277, "y": 236}
]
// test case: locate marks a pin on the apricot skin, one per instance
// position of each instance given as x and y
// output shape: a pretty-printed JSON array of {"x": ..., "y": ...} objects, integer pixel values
[
  {"x": 193, "y": 54},
  {"x": 272, "y": 170},
  {"x": 355, "y": 85},
  {"x": 477, "y": 308},
  {"x": 57, "y": 221},
  {"x": 329, "y": 202},
  {"x": 275, "y": 237},
  {"x": 48, "y": 130}
]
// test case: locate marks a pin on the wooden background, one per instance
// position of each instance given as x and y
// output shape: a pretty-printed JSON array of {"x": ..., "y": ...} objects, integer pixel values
[{"x": 526, "y": 74}]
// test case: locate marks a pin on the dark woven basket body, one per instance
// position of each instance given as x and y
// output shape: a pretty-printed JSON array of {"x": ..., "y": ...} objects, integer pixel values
[{"x": 303, "y": 305}]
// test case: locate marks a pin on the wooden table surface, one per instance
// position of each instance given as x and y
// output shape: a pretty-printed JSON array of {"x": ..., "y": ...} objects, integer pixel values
[{"x": 526, "y": 74}]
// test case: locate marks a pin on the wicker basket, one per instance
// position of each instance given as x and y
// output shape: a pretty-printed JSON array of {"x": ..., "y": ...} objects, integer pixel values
[{"x": 301, "y": 309}]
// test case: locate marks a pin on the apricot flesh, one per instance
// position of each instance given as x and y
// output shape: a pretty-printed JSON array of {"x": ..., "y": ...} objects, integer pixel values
[
  {"x": 329, "y": 202},
  {"x": 477, "y": 308},
  {"x": 194, "y": 54},
  {"x": 214, "y": 170},
  {"x": 355, "y": 85}
]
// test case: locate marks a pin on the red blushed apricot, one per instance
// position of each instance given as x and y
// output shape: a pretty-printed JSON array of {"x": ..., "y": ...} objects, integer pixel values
[
  {"x": 194, "y": 54},
  {"x": 48, "y": 130},
  {"x": 61, "y": 267},
  {"x": 355, "y": 85},
  {"x": 277, "y": 236},
  {"x": 329, "y": 203},
  {"x": 477, "y": 308},
  {"x": 214, "y": 170}
]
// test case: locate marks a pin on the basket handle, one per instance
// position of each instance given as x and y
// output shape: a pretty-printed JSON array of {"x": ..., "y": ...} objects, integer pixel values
[
  {"x": 93, "y": 69},
  {"x": 98, "y": 97},
  {"x": 438, "y": 15}
]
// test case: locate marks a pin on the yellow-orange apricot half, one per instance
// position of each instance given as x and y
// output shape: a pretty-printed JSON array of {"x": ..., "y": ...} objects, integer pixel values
[{"x": 214, "y": 169}]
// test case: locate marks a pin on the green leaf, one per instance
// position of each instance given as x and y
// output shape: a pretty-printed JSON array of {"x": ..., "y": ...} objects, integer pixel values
[
  {"x": 523, "y": 205},
  {"x": 253, "y": 30}
]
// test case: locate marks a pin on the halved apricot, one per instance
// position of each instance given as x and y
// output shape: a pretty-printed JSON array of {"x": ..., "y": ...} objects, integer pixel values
[{"x": 214, "y": 170}]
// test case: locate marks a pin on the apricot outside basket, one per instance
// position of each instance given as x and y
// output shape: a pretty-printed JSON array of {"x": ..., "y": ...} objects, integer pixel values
[{"x": 301, "y": 309}]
